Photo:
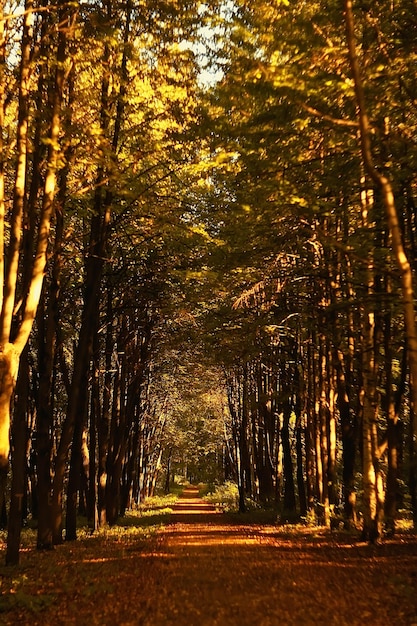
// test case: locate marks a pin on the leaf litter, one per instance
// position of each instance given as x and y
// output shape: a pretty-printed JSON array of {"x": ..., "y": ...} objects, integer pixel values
[{"x": 205, "y": 569}]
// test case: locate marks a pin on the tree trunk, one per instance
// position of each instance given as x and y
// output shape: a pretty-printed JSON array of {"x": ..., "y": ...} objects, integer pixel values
[
  {"x": 9, "y": 364},
  {"x": 167, "y": 488},
  {"x": 324, "y": 430},
  {"x": 266, "y": 484},
  {"x": 310, "y": 430},
  {"x": 349, "y": 441},
  {"x": 4, "y": 419},
  {"x": 92, "y": 510},
  {"x": 372, "y": 510},
  {"x": 290, "y": 505},
  {"x": 300, "y": 469},
  {"x": 48, "y": 325},
  {"x": 104, "y": 423},
  {"x": 96, "y": 256},
  {"x": 19, "y": 462},
  {"x": 10, "y": 354},
  {"x": 385, "y": 187},
  {"x": 393, "y": 436},
  {"x": 74, "y": 478},
  {"x": 34, "y": 265},
  {"x": 115, "y": 447}
]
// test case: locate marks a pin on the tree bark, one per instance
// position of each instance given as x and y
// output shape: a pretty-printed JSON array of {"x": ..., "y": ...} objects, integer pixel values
[
  {"x": 290, "y": 505},
  {"x": 384, "y": 185},
  {"x": 74, "y": 478},
  {"x": 11, "y": 347},
  {"x": 372, "y": 511},
  {"x": 349, "y": 441},
  {"x": 95, "y": 412},
  {"x": 104, "y": 423},
  {"x": 4, "y": 434},
  {"x": 10, "y": 353},
  {"x": 48, "y": 325},
  {"x": 19, "y": 462}
]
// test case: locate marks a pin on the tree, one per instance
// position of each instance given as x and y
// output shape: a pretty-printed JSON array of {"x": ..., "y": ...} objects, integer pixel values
[
  {"x": 24, "y": 271},
  {"x": 384, "y": 184}
]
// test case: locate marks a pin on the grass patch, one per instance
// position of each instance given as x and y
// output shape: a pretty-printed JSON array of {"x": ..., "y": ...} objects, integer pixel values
[
  {"x": 140, "y": 522},
  {"x": 84, "y": 570}
]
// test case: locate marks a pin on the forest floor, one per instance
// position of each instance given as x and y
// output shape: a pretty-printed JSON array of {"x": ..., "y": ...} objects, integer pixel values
[{"x": 205, "y": 569}]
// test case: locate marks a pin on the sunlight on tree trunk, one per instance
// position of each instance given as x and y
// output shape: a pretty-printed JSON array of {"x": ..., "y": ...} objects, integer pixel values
[
  {"x": 372, "y": 528},
  {"x": 9, "y": 354},
  {"x": 384, "y": 184},
  {"x": 4, "y": 403},
  {"x": 9, "y": 363},
  {"x": 33, "y": 268}
]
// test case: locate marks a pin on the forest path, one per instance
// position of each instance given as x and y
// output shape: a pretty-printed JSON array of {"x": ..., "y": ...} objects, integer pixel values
[
  {"x": 205, "y": 569},
  {"x": 211, "y": 572}
]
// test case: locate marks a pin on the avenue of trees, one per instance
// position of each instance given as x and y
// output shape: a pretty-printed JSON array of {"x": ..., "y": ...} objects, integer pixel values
[{"x": 208, "y": 247}]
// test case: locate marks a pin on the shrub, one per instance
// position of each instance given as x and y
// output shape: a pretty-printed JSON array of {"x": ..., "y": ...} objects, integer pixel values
[{"x": 225, "y": 496}]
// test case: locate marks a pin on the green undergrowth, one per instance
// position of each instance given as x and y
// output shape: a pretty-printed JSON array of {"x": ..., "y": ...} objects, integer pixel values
[
  {"x": 144, "y": 519},
  {"x": 226, "y": 498},
  {"x": 31, "y": 587},
  {"x": 154, "y": 511}
]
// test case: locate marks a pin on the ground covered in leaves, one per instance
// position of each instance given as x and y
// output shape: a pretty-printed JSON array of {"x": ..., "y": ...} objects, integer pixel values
[{"x": 205, "y": 568}]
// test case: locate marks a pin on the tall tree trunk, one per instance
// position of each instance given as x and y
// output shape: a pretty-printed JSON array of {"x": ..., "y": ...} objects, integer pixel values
[
  {"x": 48, "y": 325},
  {"x": 290, "y": 505},
  {"x": 2, "y": 155},
  {"x": 266, "y": 480},
  {"x": 310, "y": 429},
  {"x": 394, "y": 430},
  {"x": 9, "y": 353},
  {"x": 94, "y": 270},
  {"x": 115, "y": 443},
  {"x": 104, "y": 423},
  {"x": 13, "y": 340},
  {"x": 245, "y": 483},
  {"x": 74, "y": 477},
  {"x": 384, "y": 185},
  {"x": 372, "y": 527},
  {"x": 96, "y": 255},
  {"x": 300, "y": 468},
  {"x": 4, "y": 434},
  {"x": 349, "y": 441},
  {"x": 239, "y": 428},
  {"x": 299, "y": 431},
  {"x": 324, "y": 418},
  {"x": 92, "y": 510},
  {"x": 19, "y": 461}
]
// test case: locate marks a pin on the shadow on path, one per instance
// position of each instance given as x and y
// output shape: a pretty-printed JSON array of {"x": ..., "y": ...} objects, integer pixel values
[
  {"x": 212, "y": 572},
  {"x": 203, "y": 569}
]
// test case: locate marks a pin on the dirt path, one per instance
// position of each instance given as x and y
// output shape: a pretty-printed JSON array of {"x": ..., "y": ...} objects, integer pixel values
[
  {"x": 211, "y": 572},
  {"x": 203, "y": 569}
]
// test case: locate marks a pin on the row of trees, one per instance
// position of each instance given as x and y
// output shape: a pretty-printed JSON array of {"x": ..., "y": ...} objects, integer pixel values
[
  {"x": 319, "y": 176},
  {"x": 97, "y": 101},
  {"x": 264, "y": 222}
]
